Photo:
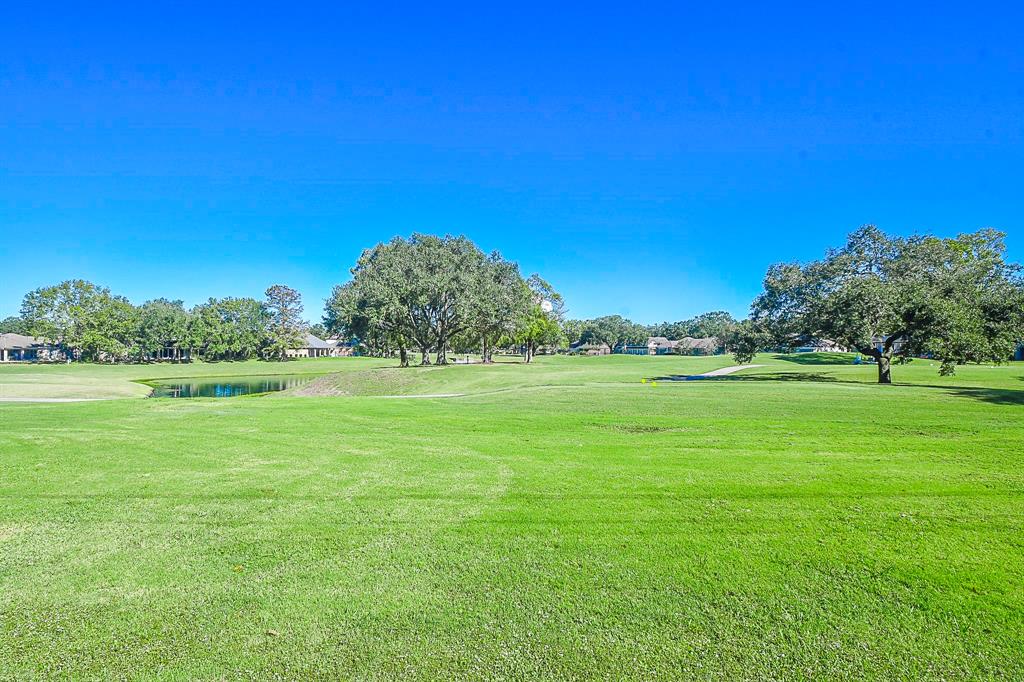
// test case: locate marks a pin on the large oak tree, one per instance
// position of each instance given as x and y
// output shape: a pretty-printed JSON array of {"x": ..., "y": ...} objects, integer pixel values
[
  {"x": 957, "y": 299},
  {"x": 424, "y": 292}
]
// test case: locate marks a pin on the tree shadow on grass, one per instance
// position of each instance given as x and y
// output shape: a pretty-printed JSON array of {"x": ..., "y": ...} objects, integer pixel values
[
  {"x": 783, "y": 376},
  {"x": 816, "y": 358},
  {"x": 995, "y": 396}
]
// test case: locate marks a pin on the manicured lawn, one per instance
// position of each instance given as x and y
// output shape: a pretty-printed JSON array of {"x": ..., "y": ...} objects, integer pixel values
[{"x": 560, "y": 520}]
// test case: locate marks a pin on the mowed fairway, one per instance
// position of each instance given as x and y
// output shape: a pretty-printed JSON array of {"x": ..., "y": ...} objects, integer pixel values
[{"x": 560, "y": 520}]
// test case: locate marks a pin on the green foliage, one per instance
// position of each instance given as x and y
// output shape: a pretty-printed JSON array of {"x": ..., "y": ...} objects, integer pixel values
[
  {"x": 285, "y": 330},
  {"x": 956, "y": 299},
  {"x": 318, "y": 330},
  {"x": 538, "y": 328},
  {"x": 160, "y": 324},
  {"x": 425, "y": 292},
  {"x": 229, "y": 329},
  {"x": 541, "y": 325},
  {"x": 745, "y": 339},
  {"x": 573, "y": 330},
  {"x": 14, "y": 325},
  {"x": 499, "y": 304},
  {"x": 613, "y": 330},
  {"x": 85, "y": 319}
]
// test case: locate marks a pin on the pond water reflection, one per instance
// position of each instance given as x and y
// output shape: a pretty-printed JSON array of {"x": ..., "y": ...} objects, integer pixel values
[{"x": 225, "y": 387}]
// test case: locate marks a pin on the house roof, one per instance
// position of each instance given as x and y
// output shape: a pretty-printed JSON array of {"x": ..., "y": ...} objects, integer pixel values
[
  {"x": 706, "y": 343},
  {"x": 661, "y": 342},
  {"x": 10, "y": 341},
  {"x": 579, "y": 345},
  {"x": 586, "y": 343},
  {"x": 316, "y": 342}
]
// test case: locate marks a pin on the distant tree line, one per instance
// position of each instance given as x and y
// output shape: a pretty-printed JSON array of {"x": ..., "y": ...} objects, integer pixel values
[
  {"x": 90, "y": 323},
  {"x": 616, "y": 331},
  {"x": 955, "y": 300}
]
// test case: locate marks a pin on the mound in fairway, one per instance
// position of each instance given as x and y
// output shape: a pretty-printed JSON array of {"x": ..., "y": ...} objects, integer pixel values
[{"x": 579, "y": 517}]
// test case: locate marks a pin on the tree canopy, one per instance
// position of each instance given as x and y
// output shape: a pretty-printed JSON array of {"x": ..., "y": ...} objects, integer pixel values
[
  {"x": 161, "y": 323},
  {"x": 542, "y": 322},
  {"x": 84, "y": 318},
  {"x": 230, "y": 329},
  {"x": 14, "y": 325},
  {"x": 613, "y": 330},
  {"x": 424, "y": 292},
  {"x": 954, "y": 299},
  {"x": 285, "y": 326}
]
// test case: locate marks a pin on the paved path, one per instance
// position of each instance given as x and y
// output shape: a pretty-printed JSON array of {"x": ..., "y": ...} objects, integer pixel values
[
  {"x": 418, "y": 395},
  {"x": 727, "y": 370},
  {"x": 6, "y": 399},
  {"x": 722, "y": 372}
]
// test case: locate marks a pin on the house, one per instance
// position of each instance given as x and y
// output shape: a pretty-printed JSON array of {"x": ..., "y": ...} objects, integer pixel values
[
  {"x": 173, "y": 352},
  {"x": 582, "y": 348},
  {"x": 312, "y": 347},
  {"x": 878, "y": 342},
  {"x": 315, "y": 347},
  {"x": 689, "y": 345},
  {"x": 820, "y": 346},
  {"x": 660, "y": 345},
  {"x": 21, "y": 348},
  {"x": 341, "y": 348}
]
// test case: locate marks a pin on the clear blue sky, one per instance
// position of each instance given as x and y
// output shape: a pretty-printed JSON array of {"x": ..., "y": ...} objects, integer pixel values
[{"x": 650, "y": 161}]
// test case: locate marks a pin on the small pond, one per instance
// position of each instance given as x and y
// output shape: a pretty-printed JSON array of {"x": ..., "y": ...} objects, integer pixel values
[{"x": 224, "y": 387}]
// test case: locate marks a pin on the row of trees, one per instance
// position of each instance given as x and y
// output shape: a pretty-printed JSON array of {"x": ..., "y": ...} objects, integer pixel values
[
  {"x": 616, "y": 330},
  {"x": 91, "y": 323},
  {"x": 955, "y": 300},
  {"x": 431, "y": 294}
]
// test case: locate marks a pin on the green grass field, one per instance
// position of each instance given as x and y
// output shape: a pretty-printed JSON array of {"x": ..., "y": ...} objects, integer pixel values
[{"x": 557, "y": 520}]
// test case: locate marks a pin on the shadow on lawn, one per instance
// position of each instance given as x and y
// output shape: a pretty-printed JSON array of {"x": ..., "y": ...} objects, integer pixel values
[
  {"x": 787, "y": 376},
  {"x": 996, "y": 396},
  {"x": 816, "y": 358}
]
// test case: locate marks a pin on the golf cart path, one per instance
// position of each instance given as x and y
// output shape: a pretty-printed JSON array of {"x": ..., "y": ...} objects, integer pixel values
[
  {"x": 419, "y": 395},
  {"x": 11, "y": 399},
  {"x": 722, "y": 372}
]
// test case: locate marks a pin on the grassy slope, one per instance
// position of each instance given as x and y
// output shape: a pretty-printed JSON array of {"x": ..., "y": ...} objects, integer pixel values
[{"x": 745, "y": 527}]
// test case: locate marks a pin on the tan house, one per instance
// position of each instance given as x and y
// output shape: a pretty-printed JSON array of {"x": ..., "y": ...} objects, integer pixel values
[
  {"x": 315, "y": 347},
  {"x": 689, "y": 345},
  {"x": 340, "y": 348},
  {"x": 660, "y": 345},
  {"x": 21, "y": 348},
  {"x": 590, "y": 348}
]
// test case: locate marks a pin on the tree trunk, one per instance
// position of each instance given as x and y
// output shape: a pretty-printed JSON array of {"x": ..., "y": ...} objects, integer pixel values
[
  {"x": 442, "y": 355},
  {"x": 529, "y": 352},
  {"x": 884, "y": 369},
  {"x": 403, "y": 357},
  {"x": 426, "y": 355},
  {"x": 485, "y": 355}
]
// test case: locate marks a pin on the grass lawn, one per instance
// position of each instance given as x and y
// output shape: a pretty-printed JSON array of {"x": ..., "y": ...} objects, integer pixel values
[{"x": 558, "y": 520}]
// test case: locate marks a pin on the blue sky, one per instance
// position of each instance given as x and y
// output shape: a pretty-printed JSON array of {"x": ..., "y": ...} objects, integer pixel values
[{"x": 650, "y": 161}]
